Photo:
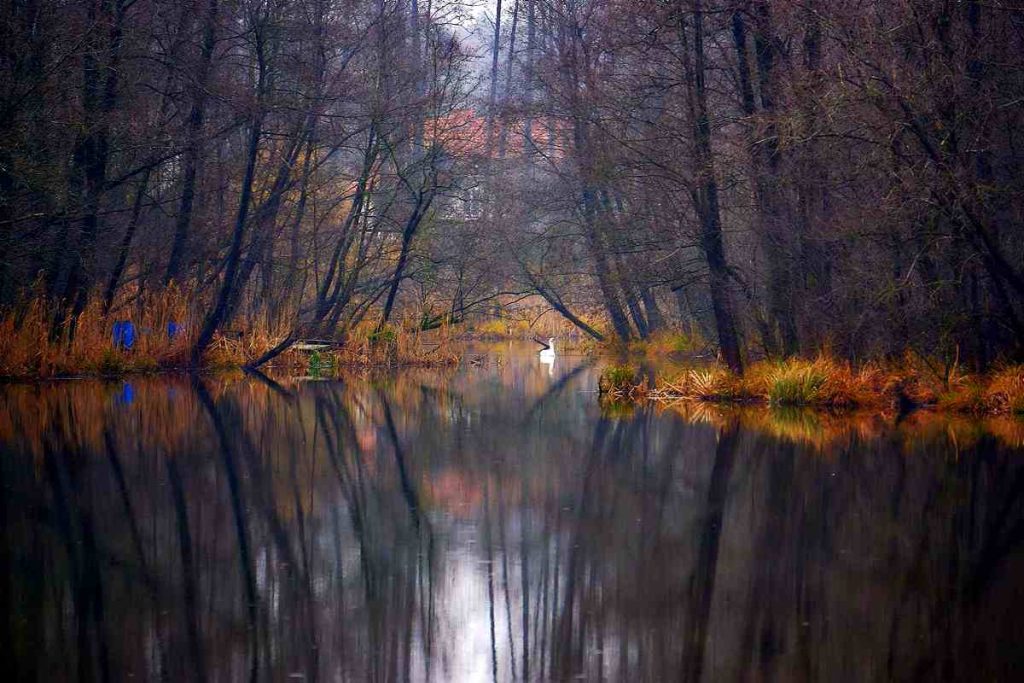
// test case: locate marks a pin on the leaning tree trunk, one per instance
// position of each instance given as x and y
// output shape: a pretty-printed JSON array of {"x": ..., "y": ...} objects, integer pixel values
[
  {"x": 419, "y": 210},
  {"x": 126, "y": 244},
  {"x": 224, "y": 295}
]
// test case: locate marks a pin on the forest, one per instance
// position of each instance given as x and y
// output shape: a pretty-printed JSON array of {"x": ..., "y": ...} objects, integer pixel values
[
  {"x": 271, "y": 274},
  {"x": 780, "y": 178}
]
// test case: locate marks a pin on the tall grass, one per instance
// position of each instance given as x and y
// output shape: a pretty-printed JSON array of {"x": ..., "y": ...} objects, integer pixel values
[
  {"x": 33, "y": 346},
  {"x": 819, "y": 382},
  {"x": 796, "y": 386},
  {"x": 397, "y": 346},
  {"x": 620, "y": 382},
  {"x": 1005, "y": 392}
]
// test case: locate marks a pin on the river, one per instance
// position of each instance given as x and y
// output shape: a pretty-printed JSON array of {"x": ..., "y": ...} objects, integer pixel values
[{"x": 495, "y": 522}]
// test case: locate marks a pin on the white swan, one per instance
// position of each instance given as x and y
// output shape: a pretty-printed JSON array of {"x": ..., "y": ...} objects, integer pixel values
[
  {"x": 547, "y": 356},
  {"x": 549, "y": 352}
]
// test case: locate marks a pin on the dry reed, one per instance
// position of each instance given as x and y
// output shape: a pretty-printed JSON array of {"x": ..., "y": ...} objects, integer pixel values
[{"x": 33, "y": 346}]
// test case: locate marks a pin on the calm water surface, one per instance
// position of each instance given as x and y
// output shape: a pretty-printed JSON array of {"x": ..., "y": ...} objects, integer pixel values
[{"x": 493, "y": 523}]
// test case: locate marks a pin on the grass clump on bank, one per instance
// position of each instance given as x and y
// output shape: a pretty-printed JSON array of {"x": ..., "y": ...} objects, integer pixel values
[
  {"x": 621, "y": 383},
  {"x": 1005, "y": 391},
  {"x": 796, "y": 385},
  {"x": 800, "y": 388},
  {"x": 822, "y": 382}
]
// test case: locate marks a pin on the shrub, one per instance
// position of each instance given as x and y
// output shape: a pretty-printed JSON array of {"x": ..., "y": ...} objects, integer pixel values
[{"x": 685, "y": 343}]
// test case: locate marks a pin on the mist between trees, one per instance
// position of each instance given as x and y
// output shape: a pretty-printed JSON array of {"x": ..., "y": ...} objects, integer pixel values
[{"x": 780, "y": 176}]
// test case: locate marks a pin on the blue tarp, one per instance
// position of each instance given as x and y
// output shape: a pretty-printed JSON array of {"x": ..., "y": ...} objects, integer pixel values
[{"x": 124, "y": 334}]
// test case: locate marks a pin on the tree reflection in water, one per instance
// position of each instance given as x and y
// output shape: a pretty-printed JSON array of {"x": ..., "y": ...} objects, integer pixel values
[{"x": 494, "y": 524}]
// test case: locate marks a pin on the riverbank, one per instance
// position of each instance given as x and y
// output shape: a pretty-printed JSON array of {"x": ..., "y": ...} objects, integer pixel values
[
  {"x": 163, "y": 335},
  {"x": 225, "y": 353},
  {"x": 826, "y": 383}
]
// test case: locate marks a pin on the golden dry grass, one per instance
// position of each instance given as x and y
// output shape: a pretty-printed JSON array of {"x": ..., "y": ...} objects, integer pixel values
[
  {"x": 397, "y": 346},
  {"x": 32, "y": 347},
  {"x": 665, "y": 342},
  {"x": 1004, "y": 393},
  {"x": 710, "y": 383},
  {"x": 825, "y": 382},
  {"x": 534, "y": 318}
]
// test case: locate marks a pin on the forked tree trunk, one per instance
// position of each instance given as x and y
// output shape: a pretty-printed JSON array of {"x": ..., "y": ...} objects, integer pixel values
[
  {"x": 126, "y": 244},
  {"x": 217, "y": 315}
]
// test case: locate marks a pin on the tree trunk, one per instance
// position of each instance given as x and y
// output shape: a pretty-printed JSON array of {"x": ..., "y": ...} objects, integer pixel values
[
  {"x": 765, "y": 158},
  {"x": 493, "y": 95},
  {"x": 218, "y": 313},
  {"x": 421, "y": 207},
  {"x": 602, "y": 268},
  {"x": 126, "y": 244},
  {"x": 711, "y": 242},
  {"x": 503, "y": 132},
  {"x": 655, "y": 319},
  {"x": 89, "y": 163},
  {"x": 193, "y": 137}
]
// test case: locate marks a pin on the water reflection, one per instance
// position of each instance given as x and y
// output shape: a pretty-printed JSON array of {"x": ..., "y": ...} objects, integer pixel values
[{"x": 493, "y": 523}]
